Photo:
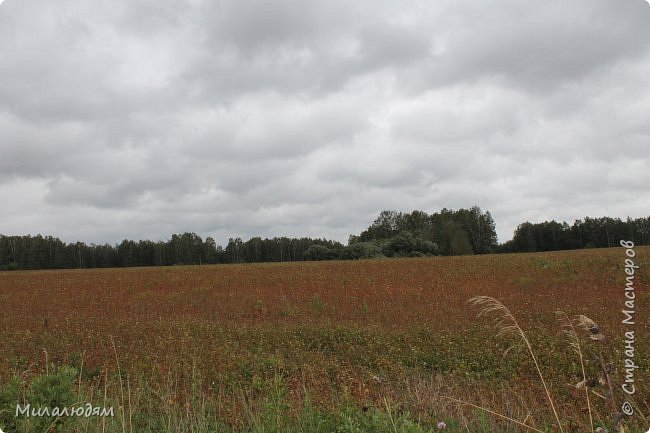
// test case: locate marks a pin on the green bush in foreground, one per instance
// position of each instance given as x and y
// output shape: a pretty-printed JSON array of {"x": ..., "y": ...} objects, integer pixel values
[{"x": 55, "y": 389}]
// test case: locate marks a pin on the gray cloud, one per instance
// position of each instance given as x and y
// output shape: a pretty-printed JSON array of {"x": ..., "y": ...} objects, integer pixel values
[{"x": 140, "y": 119}]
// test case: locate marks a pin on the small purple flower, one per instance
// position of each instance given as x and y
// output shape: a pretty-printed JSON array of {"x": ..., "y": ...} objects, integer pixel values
[{"x": 442, "y": 425}]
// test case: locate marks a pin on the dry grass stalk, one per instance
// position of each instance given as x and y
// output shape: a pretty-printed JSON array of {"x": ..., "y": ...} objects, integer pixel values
[
  {"x": 596, "y": 335},
  {"x": 492, "y": 412},
  {"x": 507, "y": 325},
  {"x": 119, "y": 373},
  {"x": 574, "y": 342}
]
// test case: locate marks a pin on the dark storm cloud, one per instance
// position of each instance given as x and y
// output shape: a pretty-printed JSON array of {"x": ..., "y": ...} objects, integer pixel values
[{"x": 139, "y": 119}]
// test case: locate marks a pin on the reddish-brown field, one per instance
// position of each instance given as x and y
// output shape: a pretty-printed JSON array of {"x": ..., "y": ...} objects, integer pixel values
[{"x": 363, "y": 329}]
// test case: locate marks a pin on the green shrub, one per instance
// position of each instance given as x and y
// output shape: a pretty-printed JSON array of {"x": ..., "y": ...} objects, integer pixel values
[
  {"x": 9, "y": 395},
  {"x": 47, "y": 391}
]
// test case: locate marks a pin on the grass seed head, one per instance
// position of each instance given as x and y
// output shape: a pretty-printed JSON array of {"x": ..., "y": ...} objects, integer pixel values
[
  {"x": 569, "y": 331},
  {"x": 504, "y": 321},
  {"x": 590, "y": 326}
]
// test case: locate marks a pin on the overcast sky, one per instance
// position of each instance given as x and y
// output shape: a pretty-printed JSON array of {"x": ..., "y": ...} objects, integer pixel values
[{"x": 142, "y": 118}]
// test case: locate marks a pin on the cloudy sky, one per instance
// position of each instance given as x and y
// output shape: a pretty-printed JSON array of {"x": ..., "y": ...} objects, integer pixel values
[{"x": 142, "y": 118}]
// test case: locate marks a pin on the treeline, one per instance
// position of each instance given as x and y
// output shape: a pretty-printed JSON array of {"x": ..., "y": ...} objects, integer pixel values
[
  {"x": 588, "y": 233},
  {"x": 392, "y": 234},
  {"x": 39, "y": 252}
]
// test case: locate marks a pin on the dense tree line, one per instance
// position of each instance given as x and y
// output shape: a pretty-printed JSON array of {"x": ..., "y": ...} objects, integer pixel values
[
  {"x": 588, "y": 233},
  {"x": 38, "y": 252},
  {"x": 392, "y": 234},
  {"x": 448, "y": 232}
]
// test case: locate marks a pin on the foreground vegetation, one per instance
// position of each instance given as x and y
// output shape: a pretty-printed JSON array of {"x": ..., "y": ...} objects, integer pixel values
[{"x": 378, "y": 345}]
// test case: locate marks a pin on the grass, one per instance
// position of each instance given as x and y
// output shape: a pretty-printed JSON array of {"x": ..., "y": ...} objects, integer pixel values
[
  {"x": 148, "y": 411},
  {"x": 323, "y": 346}
]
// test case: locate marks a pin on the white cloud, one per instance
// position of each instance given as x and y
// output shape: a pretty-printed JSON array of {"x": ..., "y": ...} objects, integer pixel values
[{"x": 138, "y": 119}]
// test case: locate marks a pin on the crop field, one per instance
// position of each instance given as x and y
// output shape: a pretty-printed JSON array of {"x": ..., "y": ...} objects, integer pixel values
[{"x": 372, "y": 345}]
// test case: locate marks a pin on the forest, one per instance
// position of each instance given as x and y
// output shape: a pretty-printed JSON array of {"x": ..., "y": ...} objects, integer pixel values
[{"x": 392, "y": 234}]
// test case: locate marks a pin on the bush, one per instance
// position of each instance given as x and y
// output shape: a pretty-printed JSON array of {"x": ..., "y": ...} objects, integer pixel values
[
  {"x": 320, "y": 252},
  {"x": 53, "y": 390},
  {"x": 363, "y": 250},
  {"x": 9, "y": 396}
]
